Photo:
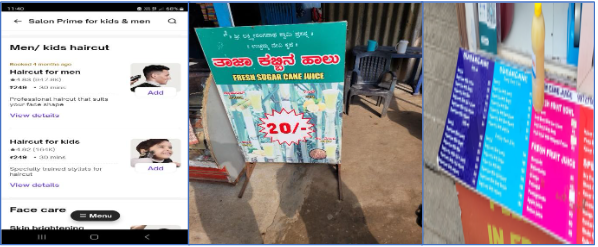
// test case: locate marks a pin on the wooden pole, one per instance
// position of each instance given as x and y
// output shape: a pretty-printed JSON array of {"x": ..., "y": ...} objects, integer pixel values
[{"x": 248, "y": 171}]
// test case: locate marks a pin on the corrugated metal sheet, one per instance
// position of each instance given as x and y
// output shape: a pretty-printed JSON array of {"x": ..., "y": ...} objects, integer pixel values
[
  {"x": 386, "y": 23},
  {"x": 278, "y": 13}
]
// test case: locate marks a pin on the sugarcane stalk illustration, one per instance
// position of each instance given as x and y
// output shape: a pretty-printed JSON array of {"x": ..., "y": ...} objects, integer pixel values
[
  {"x": 331, "y": 99},
  {"x": 238, "y": 126},
  {"x": 267, "y": 102},
  {"x": 251, "y": 131},
  {"x": 319, "y": 127},
  {"x": 304, "y": 150},
  {"x": 286, "y": 95},
  {"x": 339, "y": 122},
  {"x": 278, "y": 153},
  {"x": 243, "y": 107}
]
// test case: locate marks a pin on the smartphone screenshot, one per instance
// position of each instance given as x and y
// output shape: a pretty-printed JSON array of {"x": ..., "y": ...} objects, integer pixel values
[{"x": 94, "y": 123}]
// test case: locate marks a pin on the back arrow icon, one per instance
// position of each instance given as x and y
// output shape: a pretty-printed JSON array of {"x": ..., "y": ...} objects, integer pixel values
[
  {"x": 17, "y": 21},
  {"x": 147, "y": 237}
]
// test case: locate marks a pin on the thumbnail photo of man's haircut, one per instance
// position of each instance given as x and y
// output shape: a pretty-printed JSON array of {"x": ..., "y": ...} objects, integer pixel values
[{"x": 154, "y": 75}]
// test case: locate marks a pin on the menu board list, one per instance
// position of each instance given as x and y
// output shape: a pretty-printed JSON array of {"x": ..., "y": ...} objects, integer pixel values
[
  {"x": 461, "y": 143},
  {"x": 539, "y": 165},
  {"x": 585, "y": 185},
  {"x": 502, "y": 174},
  {"x": 552, "y": 173}
]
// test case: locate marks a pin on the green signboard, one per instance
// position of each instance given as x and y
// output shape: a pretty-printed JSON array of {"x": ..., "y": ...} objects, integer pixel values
[{"x": 282, "y": 88}]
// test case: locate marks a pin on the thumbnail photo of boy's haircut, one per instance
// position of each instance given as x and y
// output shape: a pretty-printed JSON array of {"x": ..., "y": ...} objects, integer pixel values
[
  {"x": 154, "y": 151},
  {"x": 155, "y": 76}
]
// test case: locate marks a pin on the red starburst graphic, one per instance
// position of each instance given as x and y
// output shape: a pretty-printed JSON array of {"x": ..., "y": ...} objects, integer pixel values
[{"x": 286, "y": 127}]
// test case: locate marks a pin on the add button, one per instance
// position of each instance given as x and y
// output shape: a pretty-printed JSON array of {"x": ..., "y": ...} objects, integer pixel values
[
  {"x": 155, "y": 92},
  {"x": 155, "y": 167},
  {"x": 95, "y": 215}
]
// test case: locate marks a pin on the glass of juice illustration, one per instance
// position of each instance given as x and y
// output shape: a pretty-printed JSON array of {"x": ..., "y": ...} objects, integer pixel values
[
  {"x": 330, "y": 97},
  {"x": 255, "y": 97},
  {"x": 268, "y": 149},
  {"x": 285, "y": 91},
  {"x": 330, "y": 151}
]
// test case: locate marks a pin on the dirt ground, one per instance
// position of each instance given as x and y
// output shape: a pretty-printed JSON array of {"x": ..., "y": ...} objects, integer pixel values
[{"x": 298, "y": 203}]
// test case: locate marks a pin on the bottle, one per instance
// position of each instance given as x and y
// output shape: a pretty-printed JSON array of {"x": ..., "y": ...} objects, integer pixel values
[{"x": 538, "y": 58}]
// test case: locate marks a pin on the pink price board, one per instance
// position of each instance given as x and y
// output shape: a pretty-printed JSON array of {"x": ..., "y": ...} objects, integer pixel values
[
  {"x": 559, "y": 180},
  {"x": 552, "y": 193}
]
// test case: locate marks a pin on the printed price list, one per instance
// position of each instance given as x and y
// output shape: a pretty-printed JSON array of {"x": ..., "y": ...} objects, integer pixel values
[
  {"x": 461, "y": 145},
  {"x": 504, "y": 158}
]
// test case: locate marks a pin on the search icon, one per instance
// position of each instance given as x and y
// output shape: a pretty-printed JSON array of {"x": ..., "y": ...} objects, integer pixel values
[{"x": 172, "y": 21}]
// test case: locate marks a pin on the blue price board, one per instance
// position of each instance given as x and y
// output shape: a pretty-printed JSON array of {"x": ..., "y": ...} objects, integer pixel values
[
  {"x": 504, "y": 157},
  {"x": 461, "y": 146}
]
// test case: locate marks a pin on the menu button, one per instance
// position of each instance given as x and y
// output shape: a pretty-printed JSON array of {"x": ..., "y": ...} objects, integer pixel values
[{"x": 93, "y": 215}]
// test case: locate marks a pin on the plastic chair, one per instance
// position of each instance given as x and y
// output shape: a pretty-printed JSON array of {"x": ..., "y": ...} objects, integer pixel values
[{"x": 366, "y": 79}]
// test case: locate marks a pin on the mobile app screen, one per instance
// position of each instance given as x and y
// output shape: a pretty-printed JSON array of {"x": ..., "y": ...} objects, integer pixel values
[{"x": 94, "y": 123}]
